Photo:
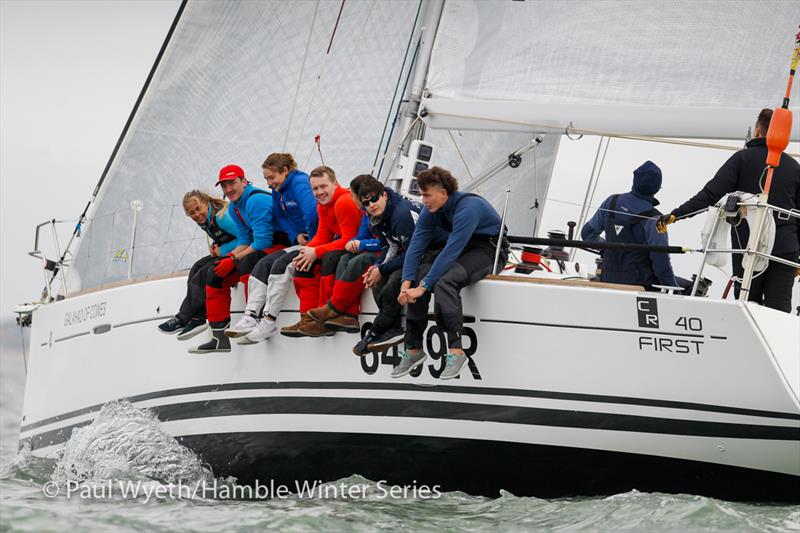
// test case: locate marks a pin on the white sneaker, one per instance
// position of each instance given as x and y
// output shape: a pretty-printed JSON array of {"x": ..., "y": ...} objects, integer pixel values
[
  {"x": 245, "y": 325},
  {"x": 265, "y": 329}
]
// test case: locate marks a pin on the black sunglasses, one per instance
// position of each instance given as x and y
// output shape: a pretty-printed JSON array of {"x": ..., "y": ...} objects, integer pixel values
[{"x": 371, "y": 200}]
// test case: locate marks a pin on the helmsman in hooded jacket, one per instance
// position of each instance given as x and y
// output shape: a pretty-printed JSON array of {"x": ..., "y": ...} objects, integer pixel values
[{"x": 631, "y": 218}]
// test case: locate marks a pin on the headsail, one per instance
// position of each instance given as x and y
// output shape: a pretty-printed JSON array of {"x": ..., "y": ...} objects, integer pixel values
[{"x": 239, "y": 80}]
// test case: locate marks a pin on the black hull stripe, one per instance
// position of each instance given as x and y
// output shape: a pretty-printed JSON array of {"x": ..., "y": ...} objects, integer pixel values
[
  {"x": 446, "y": 411},
  {"x": 480, "y": 467},
  {"x": 489, "y": 391}
]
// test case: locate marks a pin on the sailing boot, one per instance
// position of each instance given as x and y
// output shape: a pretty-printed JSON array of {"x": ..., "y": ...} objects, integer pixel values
[
  {"x": 312, "y": 328},
  {"x": 218, "y": 343},
  {"x": 294, "y": 329},
  {"x": 322, "y": 314},
  {"x": 344, "y": 323}
]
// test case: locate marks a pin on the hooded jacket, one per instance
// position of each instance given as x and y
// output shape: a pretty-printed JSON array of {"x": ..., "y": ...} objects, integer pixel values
[
  {"x": 252, "y": 213},
  {"x": 630, "y": 218},
  {"x": 296, "y": 208},
  {"x": 339, "y": 221}
]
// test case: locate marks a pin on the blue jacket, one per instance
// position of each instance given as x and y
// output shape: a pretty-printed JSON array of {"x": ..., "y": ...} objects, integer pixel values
[
  {"x": 628, "y": 267},
  {"x": 367, "y": 241},
  {"x": 395, "y": 228},
  {"x": 463, "y": 216},
  {"x": 221, "y": 229},
  {"x": 252, "y": 213},
  {"x": 296, "y": 207}
]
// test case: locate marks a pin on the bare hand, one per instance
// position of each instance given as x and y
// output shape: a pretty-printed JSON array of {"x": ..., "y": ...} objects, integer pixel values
[
  {"x": 372, "y": 277},
  {"x": 302, "y": 239},
  {"x": 214, "y": 250},
  {"x": 305, "y": 259},
  {"x": 352, "y": 246}
]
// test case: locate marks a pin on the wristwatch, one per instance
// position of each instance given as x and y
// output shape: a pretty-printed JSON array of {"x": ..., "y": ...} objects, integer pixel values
[{"x": 424, "y": 285}]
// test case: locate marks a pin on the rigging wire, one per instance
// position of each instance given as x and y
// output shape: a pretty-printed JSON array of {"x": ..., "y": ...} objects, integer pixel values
[
  {"x": 336, "y": 94},
  {"x": 302, "y": 70},
  {"x": 397, "y": 83},
  {"x": 461, "y": 155}
]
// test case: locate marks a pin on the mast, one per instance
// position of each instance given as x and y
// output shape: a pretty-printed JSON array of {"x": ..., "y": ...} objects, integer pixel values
[{"x": 409, "y": 110}]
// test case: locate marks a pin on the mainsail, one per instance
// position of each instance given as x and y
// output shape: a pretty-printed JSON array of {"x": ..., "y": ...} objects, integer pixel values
[
  {"x": 676, "y": 69},
  {"x": 237, "y": 81}
]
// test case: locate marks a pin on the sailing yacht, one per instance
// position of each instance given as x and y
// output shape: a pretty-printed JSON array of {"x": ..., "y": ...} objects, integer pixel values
[{"x": 572, "y": 386}]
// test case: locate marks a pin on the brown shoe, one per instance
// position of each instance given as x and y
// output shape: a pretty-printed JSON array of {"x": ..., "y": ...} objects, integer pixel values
[
  {"x": 344, "y": 323},
  {"x": 311, "y": 328},
  {"x": 322, "y": 314},
  {"x": 294, "y": 329}
]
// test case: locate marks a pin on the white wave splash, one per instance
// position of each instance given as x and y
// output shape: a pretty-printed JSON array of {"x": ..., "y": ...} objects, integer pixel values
[{"x": 124, "y": 442}]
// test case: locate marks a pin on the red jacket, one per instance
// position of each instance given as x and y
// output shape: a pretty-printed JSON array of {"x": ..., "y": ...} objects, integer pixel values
[{"x": 339, "y": 218}]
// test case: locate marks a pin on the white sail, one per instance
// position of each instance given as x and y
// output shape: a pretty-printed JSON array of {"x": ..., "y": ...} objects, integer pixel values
[
  {"x": 675, "y": 69},
  {"x": 239, "y": 80}
]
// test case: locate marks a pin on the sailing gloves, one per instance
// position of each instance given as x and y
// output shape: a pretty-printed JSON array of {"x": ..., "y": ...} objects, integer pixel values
[
  {"x": 663, "y": 221},
  {"x": 225, "y": 266}
]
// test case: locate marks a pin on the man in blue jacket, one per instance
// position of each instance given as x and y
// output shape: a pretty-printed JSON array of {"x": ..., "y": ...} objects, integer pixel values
[
  {"x": 252, "y": 213},
  {"x": 474, "y": 228},
  {"x": 295, "y": 213},
  {"x": 631, "y": 218}
]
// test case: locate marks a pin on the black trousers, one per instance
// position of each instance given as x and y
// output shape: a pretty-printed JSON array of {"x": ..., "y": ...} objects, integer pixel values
[
  {"x": 475, "y": 263},
  {"x": 385, "y": 294},
  {"x": 194, "y": 304},
  {"x": 773, "y": 287}
]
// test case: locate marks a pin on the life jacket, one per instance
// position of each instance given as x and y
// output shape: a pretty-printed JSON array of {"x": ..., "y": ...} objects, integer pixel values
[
  {"x": 446, "y": 223},
  {"x": 626, "y": 266},
  {"x": 216, "y": 233}
]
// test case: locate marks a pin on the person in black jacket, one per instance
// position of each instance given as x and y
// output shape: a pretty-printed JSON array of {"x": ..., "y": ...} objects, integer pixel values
[{"x": 743, "y": 172}]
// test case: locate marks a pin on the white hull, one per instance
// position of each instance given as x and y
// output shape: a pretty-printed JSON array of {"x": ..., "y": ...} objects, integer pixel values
[{"x": 567, "y": 383}]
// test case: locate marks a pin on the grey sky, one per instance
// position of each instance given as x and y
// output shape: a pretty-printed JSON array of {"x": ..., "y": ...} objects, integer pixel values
[{"x": 71, "y": 72}]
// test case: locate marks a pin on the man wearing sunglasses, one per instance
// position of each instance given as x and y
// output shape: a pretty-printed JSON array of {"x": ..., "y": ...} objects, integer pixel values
[
  {"x": 474, "y": 227},
  {"x": 392, "y": 218}
]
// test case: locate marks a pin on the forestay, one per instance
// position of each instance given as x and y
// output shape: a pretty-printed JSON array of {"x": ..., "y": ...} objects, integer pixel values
[
  {"x": 239, "y": 80},
  {"x": 678, "y": 69}
]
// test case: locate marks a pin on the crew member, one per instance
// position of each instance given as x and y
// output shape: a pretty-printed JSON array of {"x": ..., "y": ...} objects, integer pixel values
[
  {"x": 631, "y": 218},
  {"x": 295, "y": 213},
  {"x": 341, "y": 311},
  {"x": 252, "y": 209},
  {"x": 744, "y": 171},
  {"x": 214, "y": 218},
  {"x": 474, "y": 228},
  {"x": 339, "y": 220}
]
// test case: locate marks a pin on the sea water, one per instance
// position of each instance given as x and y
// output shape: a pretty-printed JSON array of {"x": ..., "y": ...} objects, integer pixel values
[{"x": 122, "y": 473}]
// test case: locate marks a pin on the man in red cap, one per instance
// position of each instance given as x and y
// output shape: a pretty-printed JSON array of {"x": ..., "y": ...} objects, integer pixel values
[
  {"x": 339, "y": 220},
  {"x": 252, "y": 212}
]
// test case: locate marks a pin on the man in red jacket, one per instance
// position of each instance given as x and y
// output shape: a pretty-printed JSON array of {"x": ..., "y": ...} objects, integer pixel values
[{"x": 339, "y": 220}]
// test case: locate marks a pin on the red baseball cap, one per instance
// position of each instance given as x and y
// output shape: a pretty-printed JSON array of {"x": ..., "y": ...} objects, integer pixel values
[{"x": 230, "y": 172}]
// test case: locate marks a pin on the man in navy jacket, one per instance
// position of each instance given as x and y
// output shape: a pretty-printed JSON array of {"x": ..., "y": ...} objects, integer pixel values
[
  {"x": 474, "y": 228},
  {"x": 631, "y": 218}
]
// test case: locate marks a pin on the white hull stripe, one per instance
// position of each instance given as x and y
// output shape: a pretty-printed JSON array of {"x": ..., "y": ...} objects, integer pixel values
[
  {"x": 443, "y": 410},
  {"x": 490, "y": 391}
]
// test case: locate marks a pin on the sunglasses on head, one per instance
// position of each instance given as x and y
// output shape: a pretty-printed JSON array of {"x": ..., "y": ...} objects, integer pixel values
[{"x": 371, "y": 200}]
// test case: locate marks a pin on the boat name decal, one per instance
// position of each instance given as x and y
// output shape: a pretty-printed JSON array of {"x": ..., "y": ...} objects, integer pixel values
[
  {"x": 436, "y": 347},
  {"x": 85, "y": 313}
]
